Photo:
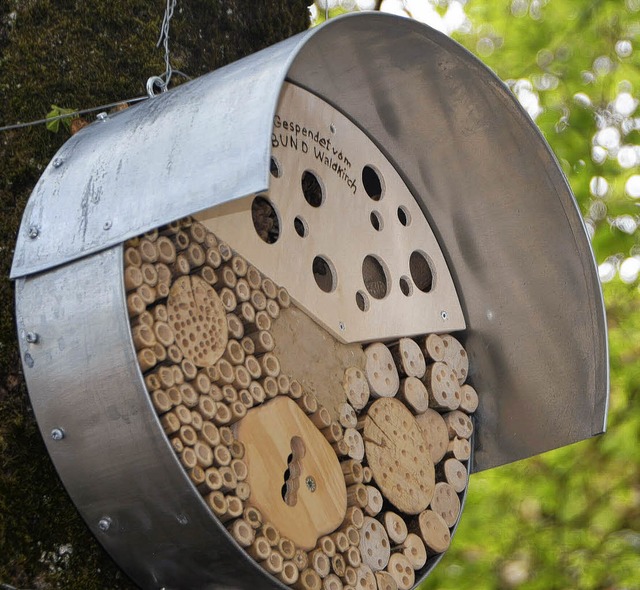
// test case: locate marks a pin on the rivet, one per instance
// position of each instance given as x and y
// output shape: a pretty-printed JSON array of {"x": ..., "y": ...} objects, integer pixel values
[
  {"x": 34, "y": 232},
  {"x": 107, "y": 225},
  {"x": 444, "y": 315},
  {"x": 310, "y": 483},
  {"x": 58, "y": 162},
  {"x": 342, "y": 326},
  {"x": 104, "y": 524},
  {"x": 32, "y": 337},
  {"x": 57, "y": 434}
]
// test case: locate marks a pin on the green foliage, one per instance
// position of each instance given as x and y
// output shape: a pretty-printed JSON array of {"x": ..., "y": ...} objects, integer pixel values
[{"x": 58, "y": 115}]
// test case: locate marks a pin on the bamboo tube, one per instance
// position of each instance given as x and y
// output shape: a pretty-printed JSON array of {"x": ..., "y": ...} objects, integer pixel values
[
  {"x": 210, "y": 240},
  {"x": 148, "y": 251},
  {"x": 273, "y": 309},
  {"x": 239, "y": 468},
  {"x": 340, "y": 541},
  {"x": 229, "y": 480},
  {"x": 333, "y": 433},
  {"x": 196, "y": 421},
  {"x": 132, "y": 278},
  {"x": 218, "y": 504},
  {"x": 213, "y": 479},
  {"x": 177, "y": 444},
  {"x": 374, "y": 501},
  {"x": 132, "y": 257},
  {"x": 321, "y": 418},
  {"x": 174, "y": 354},
  {"x": 367, "y": 474},
  {"x": 188, "y": 458},
  {"x": 213, "y": 373},
  {"x": 260, "y": 549},
  {"x": 152, "y": 234},
  {"x": 229, "y": 394},
  {"x": 202, "y": 383},
  {"x": 338, "y": 563},
  {"x": 135, "y": 304},
  {"x": 221, "y": 456},
  {"x": 235, "y": 508},
  {"x": 357, "y": 495},
  {"x": 354, "y": 516},
  {"x": 243, "y": 490},
  {"x": 271, "y": 533},
  {"x": 188, "y": 395},
  {"x": 242, "y": 291},
  {"x": 196, "y": 475},
  {"x": 225, "y": 251},
  {"x": 332, "y": 582},
  {"x": 160, "y": 352},
  {"x": 215, "y": 391},
  {"x": 234, "y": 353},
  {"x": 254, "y": 278},
  {"x": 180, "y": 266},
  {"x": 258, "y": 300},
  {"x": 237, "y": 450},
  {"x": 414, "y": 550},
  {"x": 468, "y": 399},
  {"x": 228, "y": 278},
  {"x": 253, "y": 367},
  {"x": 228, "y": 298},
  {"x": 283, "y": 298},
  {"x": 161, "y": 401},
  {"x": 144, "y": 318},
  {"x": 320, "y": 562},
  {"x": 308, "y": 403},
  {"x": 270, "y": 387},
  {"x": 165, "y": 377},
  {"x": 204, "y": 454},
  {"x": 257, "y": 392},
  {"x": 181, "y": 240},
  {"x": 395, "y": 526},
  {"x": 226, "y": 436},
  {"x": 170, "y": 423},
  {"x": 263, "y": 321},
  {"x": 197, "y": 232},
  {"x": 188, "y": 435},
  {"x": 289, "y": 574},
  {"x": 459, "y": 448},
  {"x": 341, "y": 448},
  {"x": 242, "y": 532},
  {"x": 162, "y": 291},
  {"x": 348, "y": 417},
  {"x": 174, "y": 393},
  {"x": 225, "y": 372},
  {"x": 352, "y": 556},
  {"x": 385, "y": 581},
  {"x": 146, "y": 359},
  {"x": 146, "y": 293},
  {"x": 152, "y": 382},
  {"x": 212, "y": 257},
  {"x": 301, "y": 559},
  {"x": 274, "y": 563},
  {"x": 253, "y": 516},
  {"x": 242, "y": 377},
  {"x": 270, "y": 365},
  {"x": 165, "y": 249},
  {"x": 239, "y": 266},
  {"x": 238, "y": 411},
  {"x": 295, "y": 389},
  {"x": 149, "y": 274},
  {"x": 350, "y": 576},
  {"x": 247, "y": 314},
  {"x": 327, "y": 545},
  {"x": 287, "y": 548},
  {"x": 164, "y": 278},
  {"x": 263, "y": 341},
  {"x": 209, "y": 275},
  {"x": 269, "y": 288},
  {"x": 184, "y": 414},
  {"x": 171, "y": 228},
  {"x": 210, "y": 434},
  {"x": 401, "y": 571},
  {"x": 248, "y": 346},
  {"x": 189, "y": 370}
]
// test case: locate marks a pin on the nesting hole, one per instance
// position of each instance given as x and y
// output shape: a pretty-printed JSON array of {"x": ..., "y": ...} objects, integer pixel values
[
  {"x": 324, "y": 274},
  {"x": 406, "y": 286},
  {"x": 301, "y": 227},
  {"x": 274, "y": 168},
  {"x": 362, "y": 301},
  {"x": 421, "y": 271},
  {"x": 312, "y": 189},
  {"x": 376, "y": 220},
  {"x": 266, "y": 220},
  {"x": 372, "y": 183},
  {"x": 375, "y": 277},
  {"x": 404, "y": 217}
]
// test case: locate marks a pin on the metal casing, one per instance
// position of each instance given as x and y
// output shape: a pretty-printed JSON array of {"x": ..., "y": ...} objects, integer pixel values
[{"x": 486, "y": 180}]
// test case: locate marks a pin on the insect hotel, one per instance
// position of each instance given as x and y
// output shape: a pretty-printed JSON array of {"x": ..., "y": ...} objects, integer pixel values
[{"x": 271, "y": 320}]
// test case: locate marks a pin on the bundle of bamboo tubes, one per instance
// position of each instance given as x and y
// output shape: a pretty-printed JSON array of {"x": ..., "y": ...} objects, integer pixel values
[{"x": 201, "y": 322}]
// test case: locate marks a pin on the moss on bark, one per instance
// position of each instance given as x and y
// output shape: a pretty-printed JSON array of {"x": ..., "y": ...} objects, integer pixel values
[{"x": 78, "y": 55}]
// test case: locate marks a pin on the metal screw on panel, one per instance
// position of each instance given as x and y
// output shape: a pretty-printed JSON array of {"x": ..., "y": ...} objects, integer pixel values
[
  {"x": 107, "y": 225},
  {"x": 342, "y": 326},
  {"x": 57, "y": 434},
  {"x": 104, "y": 524},
  {"x": 58, "y": 162},
  {"x": 32, "y": 337},
  {"x": 34, "y": 232},
  {"x": 311, "y": 484},
  {"x": 102, "y": 116},
  {"x": 444, "y": 315}
]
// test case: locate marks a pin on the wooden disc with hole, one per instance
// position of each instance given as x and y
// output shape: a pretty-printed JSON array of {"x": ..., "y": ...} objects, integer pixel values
[
  {"x": 434, "y": 347},
  {"x": 458, "y": 424},
  {"x": 446, "y": 503},
  {"x": 409, "y": 358},
  {"x": 435, "y": 432},
  {"x": 456, "y": 357},
  {"x": 398, "y": 456},
  {"x": 375, "y": 547},
  {"x": 414, "y": 394},
  {"x": 198, "y": 320},
  {"x": 400, "y": 569},
  {"x": 380, "y": 370},
  {"x": 442, "y": 385},
  {"x": 356, "y": 387},
  {"x": 434, "y": 531},
  {"x": 455, "y": 473}
]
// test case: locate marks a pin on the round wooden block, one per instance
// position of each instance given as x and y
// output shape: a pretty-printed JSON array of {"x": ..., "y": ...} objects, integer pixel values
[
  {"x": 398, "y": 455},
  {"x": 435, "y": 432},
  {"x": 386, "y": 581},
  {"x": 366, "y": 578},
  {"x": 355, "y": 444},
  {"x": 414, "y": 393},
  {"x": 409, "y": 358},
  {"x": 456, "y": 357},
  {"x": 443, "y": 387},
  {"x": 460, "y": 448},
  {"x": 380, "y": 370},
  {"x": 396, "y": 527},
  {"x": 356, "y": 387},
  {"x": 446, "y": 503},
  {"x": 415, "y": 551},
  {"x": 434, "y": 347},
  {"x": 434, "y": 531},
  {"x": 374, "y": 544},
  {"x": 468, "y": 399},
  {"x": 401, "y": 571},
  {"x": 458, "y": 424},
  {"x": 456, "y": 474},
  {"x": 198, "y": 320}
]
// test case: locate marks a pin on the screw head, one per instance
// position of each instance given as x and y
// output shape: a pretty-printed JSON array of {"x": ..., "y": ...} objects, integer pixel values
[
  {"x": 34, "y": 232},
  {"x": 104, "y": 524},
  {"x": 310, "y": 483},
  {"x": 58, "y": 162},
  {"x": 32, "y": 337},
  {"x": 444, "y": 315},
  {"x": 341, "y": 326},
  {"x": 107, "y": 225},
  {"x": 57, "y": 434}
]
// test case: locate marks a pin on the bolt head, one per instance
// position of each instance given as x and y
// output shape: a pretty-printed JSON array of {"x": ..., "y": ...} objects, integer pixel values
[
  {"x": 104, "y": 524},
  {"x": 341, "y": 326},
  {"x": 58, "y": 162},
  {"x": 57, "y": 434},
  {"x": 444, "y": 315},
  {"x": 34, "y": 232},
  {"x": 32, "y": 337},
  {"x": 107, "y": 225},
  {"x": 310, "y": 483}
]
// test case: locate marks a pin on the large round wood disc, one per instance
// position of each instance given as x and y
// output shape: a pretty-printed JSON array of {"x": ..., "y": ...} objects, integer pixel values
[
  {"x": 198, "y": 320},
  {"x": 398, "y": 455}
]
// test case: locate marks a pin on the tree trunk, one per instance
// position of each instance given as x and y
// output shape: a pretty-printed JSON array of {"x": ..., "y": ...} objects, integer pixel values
[{"x": 79, "y": 55}]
